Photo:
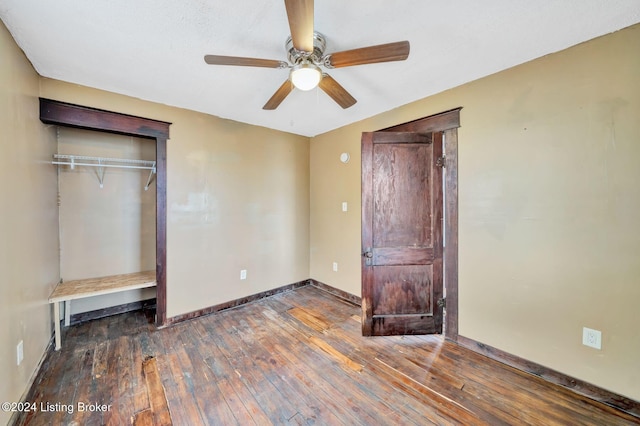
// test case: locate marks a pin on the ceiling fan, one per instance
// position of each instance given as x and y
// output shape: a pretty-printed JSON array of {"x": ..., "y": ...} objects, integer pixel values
[{"x": 306, "y": 55}]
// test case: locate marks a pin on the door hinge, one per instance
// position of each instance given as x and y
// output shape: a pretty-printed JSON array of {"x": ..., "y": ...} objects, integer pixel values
[
  {"x": 441, "y": 161},
  {"x": 442, "y": 302}
]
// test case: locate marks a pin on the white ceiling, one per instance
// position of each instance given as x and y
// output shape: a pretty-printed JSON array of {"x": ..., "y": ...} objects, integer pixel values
[{"x": 153, "y": 49}]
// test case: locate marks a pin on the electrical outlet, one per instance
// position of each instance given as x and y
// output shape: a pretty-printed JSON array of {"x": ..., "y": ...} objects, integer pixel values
[
  {"x": 20, "y": 352},
  {"x": 243, "y": 274},
  {"x": 345, "y": 207},
  {"x": 592, "y": 338},
  {"x": 335, "y": 266}
]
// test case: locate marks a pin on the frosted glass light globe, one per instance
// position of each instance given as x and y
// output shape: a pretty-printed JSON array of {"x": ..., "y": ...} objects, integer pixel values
[{"x": 306, "y": 76}]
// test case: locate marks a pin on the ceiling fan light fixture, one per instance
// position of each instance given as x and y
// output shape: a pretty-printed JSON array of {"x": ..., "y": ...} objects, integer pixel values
[{"x": 306, "y": 76}]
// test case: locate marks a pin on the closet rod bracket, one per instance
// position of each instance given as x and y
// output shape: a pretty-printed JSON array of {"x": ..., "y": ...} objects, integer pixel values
[{"x": 151, "y": 173}]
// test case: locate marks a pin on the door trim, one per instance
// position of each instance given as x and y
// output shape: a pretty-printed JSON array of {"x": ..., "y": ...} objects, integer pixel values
[{"x": 447, "y": 122}]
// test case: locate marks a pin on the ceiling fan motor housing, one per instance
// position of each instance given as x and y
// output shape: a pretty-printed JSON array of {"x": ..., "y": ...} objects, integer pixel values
[{"x": 316, "y": 57}]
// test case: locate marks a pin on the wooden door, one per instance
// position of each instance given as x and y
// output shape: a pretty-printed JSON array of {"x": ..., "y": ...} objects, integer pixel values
[{"x": 401, "y": 233}]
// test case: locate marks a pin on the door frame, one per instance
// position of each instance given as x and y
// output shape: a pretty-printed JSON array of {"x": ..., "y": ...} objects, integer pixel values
[
  {"x": 70, "y": 115},
  {"x": 448, "y": 123}
]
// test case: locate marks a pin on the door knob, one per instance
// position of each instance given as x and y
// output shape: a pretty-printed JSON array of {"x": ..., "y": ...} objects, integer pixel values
[{"x": 368, "y": 255}]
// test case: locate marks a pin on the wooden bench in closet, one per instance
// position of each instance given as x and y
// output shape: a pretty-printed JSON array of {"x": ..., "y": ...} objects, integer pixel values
[{"x": 78, "y": 289}]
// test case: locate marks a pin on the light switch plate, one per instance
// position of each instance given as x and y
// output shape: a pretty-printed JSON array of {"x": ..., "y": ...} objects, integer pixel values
[{"x": 20, "y": 352}]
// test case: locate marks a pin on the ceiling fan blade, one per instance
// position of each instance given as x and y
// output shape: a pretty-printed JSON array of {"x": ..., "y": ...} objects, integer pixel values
[
  {"x": 398, "y": 51},
  {"x": 279, "y": 96},
  {"x": 246, "y": 62},
  {"x": 300, "y": 14},
  {"x": 336, "y": 92}
]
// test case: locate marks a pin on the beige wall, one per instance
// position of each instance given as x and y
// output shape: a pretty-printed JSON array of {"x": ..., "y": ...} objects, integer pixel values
[
  {"x": 109, "y": 230},
  {"x": 237, "y": 198},
  {"x": 29, "y": 225},
  {"x": 549, "y": 195}
]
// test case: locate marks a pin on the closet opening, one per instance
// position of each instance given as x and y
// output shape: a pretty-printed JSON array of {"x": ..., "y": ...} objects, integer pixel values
[
  {"x": 107, "y": 221},
  {"x": 144, "y": 138}
]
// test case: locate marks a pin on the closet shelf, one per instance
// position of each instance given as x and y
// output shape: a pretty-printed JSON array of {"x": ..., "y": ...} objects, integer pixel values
[{"x": 103, "y": 162}]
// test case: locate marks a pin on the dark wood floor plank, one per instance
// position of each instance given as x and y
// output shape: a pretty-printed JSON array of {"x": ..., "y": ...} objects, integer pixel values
[
  {"x": 140, "y": 397},
  {"x": 110, "y": 382},
  {"x": 157, "y": 397},
  {"x": 487, "y": 404},
  {"x": 287, "y": 351},
  {"x": 297, "y": 357},
  {"x": 202, "y": 388},
  {"x": 347, "y": 408},
  {"x": 335, "y": 353},
  {"x": 308, "y": 319},
  {"x": 217, "y": 407},
  {"x": 366, "y": 357},
  {"x": 272, "y": 403},
  {"x": 486, "y": 385},
  {"x": 379, "y": 398},
  {"x": 422, "y": 376},
  {"x": 326, "y": 374},
  {"x": 227, "y": 377},
  {"x": 143, "y": 418},
  {"x": 126, "y": 370},
  {"x": 485, "y": 399},
  {"x": 279, "y": 375},
  {"x": 180, "y": 392},
  {"x": 440, "y": 386},
  {"x": 66, "y": 387},
  {"x": 42, "y": 387},
  {"x": 86, "y": 392}
]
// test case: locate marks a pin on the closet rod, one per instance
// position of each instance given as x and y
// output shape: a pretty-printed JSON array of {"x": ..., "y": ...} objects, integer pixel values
[
  {"x": 121, "y": 163},
  {"x": 120, "y": 166},
  {"x": 100, "y": 162}
]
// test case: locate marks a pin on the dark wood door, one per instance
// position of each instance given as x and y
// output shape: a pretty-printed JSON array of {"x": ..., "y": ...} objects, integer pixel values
[{"x": 401, "y": 233}]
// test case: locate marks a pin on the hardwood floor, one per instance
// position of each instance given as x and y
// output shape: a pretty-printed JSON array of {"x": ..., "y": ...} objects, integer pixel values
[{"x": 293, "y": 358}]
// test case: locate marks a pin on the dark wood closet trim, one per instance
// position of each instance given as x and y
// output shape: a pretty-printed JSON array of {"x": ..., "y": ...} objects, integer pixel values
[
  {"x": 578, "y": 386},
  {"x": 447, "y": 122},
  {"x": 234, "y": 303},
  {"x": 70, "y": 115}
]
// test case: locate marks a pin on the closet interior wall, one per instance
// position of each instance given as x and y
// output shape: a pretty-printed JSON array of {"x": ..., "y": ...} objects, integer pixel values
[{"x": 109, "y": 230}]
